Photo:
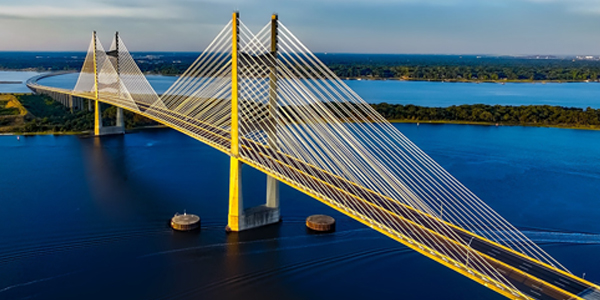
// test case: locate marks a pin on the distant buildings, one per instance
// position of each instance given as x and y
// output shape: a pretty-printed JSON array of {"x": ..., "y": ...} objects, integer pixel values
[{"x": 587, "y": 57}]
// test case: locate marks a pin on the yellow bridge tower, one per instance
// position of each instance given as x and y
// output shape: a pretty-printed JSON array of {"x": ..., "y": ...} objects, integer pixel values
[
  {"x": 239, "y": 218},
  {"x": 99, "y": 129}
]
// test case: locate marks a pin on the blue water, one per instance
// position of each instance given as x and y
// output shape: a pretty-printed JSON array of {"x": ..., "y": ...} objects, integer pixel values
[
  {"x": 434, "y": 94},
  {"x": 21, "y": 76},
  {"x": 443, "y": 94},
  {"x": 86, "y": 218}
]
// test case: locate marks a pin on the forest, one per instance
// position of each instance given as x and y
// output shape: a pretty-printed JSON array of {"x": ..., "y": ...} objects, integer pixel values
[
  {"x": 527, "y": 115},
  {"x": 462, "y": 68},
  {"x": 47, "y": 115},
  {"x": 353, "y": 66}
]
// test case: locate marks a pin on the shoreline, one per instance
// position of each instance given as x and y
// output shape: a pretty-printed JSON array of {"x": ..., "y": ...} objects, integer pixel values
[
  {"x": 470, "y": 81},
  {"x": 494, "y": 124},
  {"x": 82, "y": 133},
  {"x": 87, "y": 133},
  {"x": 455, "y": 80}
]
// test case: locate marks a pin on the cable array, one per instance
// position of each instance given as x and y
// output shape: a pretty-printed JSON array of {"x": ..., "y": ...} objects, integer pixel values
[
  {"x": 203, "y": 92},
  {"x": 301, "y": 124}
]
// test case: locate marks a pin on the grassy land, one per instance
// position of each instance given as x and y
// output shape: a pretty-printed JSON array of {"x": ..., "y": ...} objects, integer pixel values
[
  {"x": 10, "y": 106},
  {"x": 12, "y": 113},
  {"x": 51, "y": 116},
  {"x": 8, "y": 111},
  {"x": 42, "y": 115}
]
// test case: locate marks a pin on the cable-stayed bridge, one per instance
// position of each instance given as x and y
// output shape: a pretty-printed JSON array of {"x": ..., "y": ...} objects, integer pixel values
[{"x": 266, "y": 101}]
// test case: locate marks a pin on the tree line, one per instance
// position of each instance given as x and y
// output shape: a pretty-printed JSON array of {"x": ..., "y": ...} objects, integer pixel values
[
  {"x": 47, "y": 115},
  {"x": 461, "y": 68},
  {"x": 537, "y": 115},
  {"x": 369, "y": 66}
]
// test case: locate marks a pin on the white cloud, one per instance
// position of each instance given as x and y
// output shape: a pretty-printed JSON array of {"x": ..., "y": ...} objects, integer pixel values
[
  {"x": 573, "y": 6},
  {"x": 77, "y": 10}
]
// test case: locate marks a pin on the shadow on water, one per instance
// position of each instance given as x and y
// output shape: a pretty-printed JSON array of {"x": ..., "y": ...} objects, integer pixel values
[{"x": 111, "y": 183}]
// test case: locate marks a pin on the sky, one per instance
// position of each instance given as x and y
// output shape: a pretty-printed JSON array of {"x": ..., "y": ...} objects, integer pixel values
[{"x": 503, "y": 27}]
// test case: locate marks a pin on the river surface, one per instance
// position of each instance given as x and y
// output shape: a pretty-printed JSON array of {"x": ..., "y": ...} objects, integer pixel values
[
  {"x": 86, "y": 218},
  {"x": 434, "y": 94},
  {"x": 14, "y": 77}
]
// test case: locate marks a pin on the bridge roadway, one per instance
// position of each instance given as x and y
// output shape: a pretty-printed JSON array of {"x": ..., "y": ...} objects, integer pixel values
[{"x": 533, "y": 278}]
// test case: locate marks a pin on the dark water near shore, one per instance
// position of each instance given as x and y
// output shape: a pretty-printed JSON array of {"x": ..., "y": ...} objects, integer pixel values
[{"x": 86, "y": 218}]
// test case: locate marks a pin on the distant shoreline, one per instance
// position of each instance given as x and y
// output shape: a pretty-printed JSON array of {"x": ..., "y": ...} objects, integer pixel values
[
  {"x": 471, "y": 81},
  {"x": 590, "y": 127},
  {"x": 490, "y": 124},
  {"x": 51, "y": 118},
  {"x": 81, "y": 133},
  {"x": 365, "y": 78}
]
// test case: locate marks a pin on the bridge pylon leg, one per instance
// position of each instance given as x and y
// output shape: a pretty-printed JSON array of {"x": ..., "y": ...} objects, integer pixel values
[
  {"x": 236, "y": 201},
  {"x": 120, "y": 121},
  {"x": 272, "y": 192},
  {"x": 97, "y": 119},
  {"x": 272, "y": 183}
]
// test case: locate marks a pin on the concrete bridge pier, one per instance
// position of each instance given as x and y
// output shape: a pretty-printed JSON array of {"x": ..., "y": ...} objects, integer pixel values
[
  {"x": 120, "y": 120},
  {"x": 100, "y": 130},
  {"x": 243, "y": 219}
]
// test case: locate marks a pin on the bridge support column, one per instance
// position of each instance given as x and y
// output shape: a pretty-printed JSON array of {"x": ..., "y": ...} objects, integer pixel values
[
  {"x": 240, "y": 219},
  {"x": 119, "y": 127},
  {"x": 120, "y": 120},
  {"x": 272, "y": 183},
  {"x": 236, "y": 201},
  {"x": 100, "y": 130},
  {"x": 272, "y": 192},
  {"x": 97, "y": 119}
]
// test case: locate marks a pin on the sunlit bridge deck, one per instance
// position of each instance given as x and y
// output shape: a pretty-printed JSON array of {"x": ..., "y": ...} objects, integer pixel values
[{"x": 266, "y": 101}]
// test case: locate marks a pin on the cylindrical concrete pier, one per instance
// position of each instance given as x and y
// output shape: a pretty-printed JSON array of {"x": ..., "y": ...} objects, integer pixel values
[
  {"x": 321, "y": 223},
  {"x": 185, "y": 222}
]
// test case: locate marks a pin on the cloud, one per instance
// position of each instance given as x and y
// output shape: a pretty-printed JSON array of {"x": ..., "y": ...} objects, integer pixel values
[
  {"x": 82, "y": 10},
  {"x": 572, "y": 6}
]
